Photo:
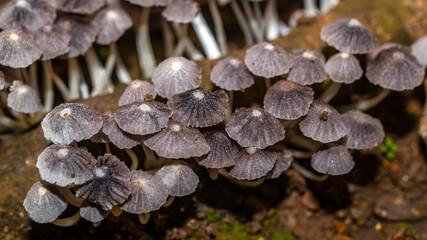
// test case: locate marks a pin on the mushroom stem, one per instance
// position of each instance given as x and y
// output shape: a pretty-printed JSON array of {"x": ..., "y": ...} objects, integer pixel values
[
  {"x": 107, "y": 148},
  {"x": 230, "y": 104},
  {"x": 33, "y": 76},
  {"x": 370, "y": 103},
  {"x": 151, "y": 161},
  {"x": 167, "y": 37},
  {"x": 330, "y": 92},
  {"x": 74, "y": 78},
  {"x": 68, "y": 221},
  {"x": 327, "y": 5},
  {"x": 11, "y": 124},
  {"x": 259, "y": 17},
  {"x": 307, "y": 173},
  {"x": 116, "y": 211},
  {"x": 144, "y": 217},
  {"x": 70, "y": 197},
  {"x": 271, "y": 20},
  {"x": 302, "y": 142},
  {"x": 241, "y": 20},
  {"x": 206, "y": 37},
  {"x": 300, "y": 154},
  {"x": 121, "y": 71},
  {"x": 310, "y": 8},
  {"x": 267, "y": 83},
  {"x": 213, "y": 174},
  {"x": 253, "y": 23},
  {"x": 147, "y": 60},
  {"x": 241, "y": 182},
  {"x": 48, "y": 88},
  {"x": 84, "y": 89},
  {"x": 96, "y": 224},
  {"x": 219, "y": 26},
  {"x": 134, "y": 158},
  {"x": 100, "y": 77},
  {"x": 169, "y": 201},
  {"x": 63, "y": 89},
  {"x": 185, "y": 43}
]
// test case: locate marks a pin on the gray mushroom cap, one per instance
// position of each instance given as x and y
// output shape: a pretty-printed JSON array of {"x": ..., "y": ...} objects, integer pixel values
[
  {"x": 93, "y": 212},
  {"x": 23, "y": 98},
  {"x": 267, "y": 60},
  {"x": 253, "y": 163},
  {"x": 199, "y": 108},
  {"x": 43, "y": 202},
  {"x": 79, "y": 6},
  {"x": 2, "y": 80},
  {"x": 179, "y": 179},
  {"x": 333, "y": 161},
  {"x": 323, "y": 123},
  {"x": 176, "y": 75},
  {"x": 147, "y": 193},
  {"x": 113, "y": 22},
  {"x": 308, "y": 67},
  {"x": 137, "y": 91},
  {"x": 178, "y": 141},
  {"x": 284, "y": 160},
  {"x": 223, "y": 151},
  {"x": 117, "y": 136},
  {"x": 231, "y": 74},
  {"x": 143, "y": 118},
  {"x": 181, "y": 11},
  {"x": 150, "y": 3},
  {"x": 70, "y": 122},
  {"x": 17, "y": 49},
  {"x": 53, "y": 40},
  {"x": 395, "y": 68},
  {"x": 350, "y": 36},
  {"x": 288, "y": 100},
  {"x": 344, "y": 68},
  {"x": 419, "y": 50},
  {"x": 109, "y": 185},
  {"x": 254, "y": 127},
  {"x": 364, "y": 131}
]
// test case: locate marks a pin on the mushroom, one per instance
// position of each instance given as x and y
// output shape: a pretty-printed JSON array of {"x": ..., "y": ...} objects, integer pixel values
[
  {"x": 419, "y": 50},
  {"x": 344, "y": 68},
  {"x": 138, "y": 91},
  {"x": 53, "y": 40},
  {"x": 22, "y": 98},
  {"x": 17, "y": 49},
  {"x": 223, "y": 151},
  {"x": 284, "y": 160},
  {"x": 253, "y": 163},
  {"x": 150, "y": 3},
  {"x": 93, "y": 213},
  {"x": 2, "y": 81},
  {"x": 113, "y": 21},
  {"x": 364, "y": 131},
  {"x": 181, "y": 11},
  {"x": 231, "y": 74},
  {"x": 117, "y": 136},
  {"x": 79, "y": 6},
  {"x": 308, "y": 67},
  {"x": 333, "y": 161}
]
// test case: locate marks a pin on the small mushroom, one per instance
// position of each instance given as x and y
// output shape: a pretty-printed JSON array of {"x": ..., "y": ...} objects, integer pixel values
[
  {"x": 93, "y": 213},
  {"x": 333, "y": 161},
  {"x": 364, "y": 131},
  {"x": 79, "y": 6},
  {"x": 181, "y": 11},
  {"x": 284, "y": 160},
  {"x": 231, "y": 74},
  {"x": 117, "y": 136},
  {"x": 419, "y": 50},
  {"x": 113, "y": 21},
  {"x": 308, "y": 67},
  {"x": 253, "y": 163},
  {"x": 22, "y": 98},
  {"x": 344, "y": 68},
  {"x": 138, "y": 91},
  {"x": 223, "y": 151},
  {"x": 53, "y": 40},
  {"x": 150, "y": 3},
  {"x": 17, "y": 49}
]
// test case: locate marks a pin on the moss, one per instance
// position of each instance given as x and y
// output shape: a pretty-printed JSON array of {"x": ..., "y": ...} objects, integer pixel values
[
  {"x": 282, "y": 236},
  {"x": 231, "y": 231},
  {"x": 213, "y": 216}
]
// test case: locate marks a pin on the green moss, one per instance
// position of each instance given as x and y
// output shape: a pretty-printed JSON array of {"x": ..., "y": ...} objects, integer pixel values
[
  {"x": 389, "y": 148},
  {"x": 213, "y": 216},
  {"x": 227, "y": 231},
  {"x": 282, "y": 236}
]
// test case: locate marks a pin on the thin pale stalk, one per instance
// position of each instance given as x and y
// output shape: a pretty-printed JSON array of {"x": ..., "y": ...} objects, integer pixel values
[
  {"x": 144, "y": 218},
  {"x": 74, "y": 78},
  {"x": 307, "y": 173},
  {"x": 271, "y": 20},
  {"x": 168, "y": 38},
  {"x": 365, "y": 105},
  {"x": 116, "y": 211},
  {"x": 330, "y": 92},
  {"x": 206, "y": 38},
  {"x": 253, "y": 183},
  {"x": 253, "y": 23},
  {"x": 121, "y": 70},
  {"x": 34, "y": 82},
  {"x": 107, "y": 148},
  {"x": 241, "y": 20},
  {"x": 169, "y": 201},
  {"x": 230, "y": 104},
  {"x": 147, "y": 60},
  {"x": 98, "y": 74},
  {"x": 134, "y": 158},
  {"x": 69, "y": 221},
  {"x": 310, "y": 8},
  {"x": 48, "y": 88},
  {"x": 219, "y": 26},
  {"x": 63, "y": 89},
  {"x": 70, "y": 197}
]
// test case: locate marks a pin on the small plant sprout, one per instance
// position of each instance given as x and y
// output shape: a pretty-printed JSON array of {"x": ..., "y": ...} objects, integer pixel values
[{"x": 389, "y": 148}]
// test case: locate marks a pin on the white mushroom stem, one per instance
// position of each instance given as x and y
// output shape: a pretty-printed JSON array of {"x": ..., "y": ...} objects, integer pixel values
[
  {"x": 284, "y": 29},
  {"x": 116, "y": 211},
  {"x": 253, "y": 23},
  {"x": 84, "y": 89},
  {"x": 151, "y": 162},
  {"x": 109, "y": 67},
  {"x": 33, "y": 78},
  {"x": 134, "y": 158},
  {"x": 307, "y": 173},
  {"x": 184, "y": 43},
  {"x": 370, "y": 103},
  {"x": 59, "y": 83},
  {"x": 8, "y": 123},
  {"x": 300, "y": 154},
  {"x": 302, "y": 142},
  {"x": 213, "y": 174},
  {"x": 121, "y": 70},
  {"x": 241, "y": 20},
  {"x": 327, "y": 5},
  {"x": 219, "y": 26},
  {"x": 253, "y": 183},
  {"x": 70, "y": 197},
  {"x": 147, "y": 60},
  {"x": 206, "y": 37},
  {"x": 144, "y": 218},
  {"x": 169, "y": 201},
  {"x": 48, "y": 89},
  {"x": 74, "y": 78},
  {"x": 258, "y": 15},
  {"x": 69, "y": 221},
  {"x": 100, "y": 78},
  {"x": 168, "y": 38},
  {"x": 271, "y": 20},
  {"x": 310, "y": 8},
  {"x": 330, "y": 92}
]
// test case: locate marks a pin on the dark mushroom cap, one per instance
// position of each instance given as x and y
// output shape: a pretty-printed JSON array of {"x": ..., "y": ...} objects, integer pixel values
[
  {"x": 53, "y": 40},
  {"x": 350, "y": 36},
  {"x": 22, "y": 98},
  {"x": 323, "y": 123},
  {"x": 17, "y": 49},
  {"x": 395, "y": 68},
  {"x": 223, "y": 150},
  {"x": 181, "y": 11},
  {"x": 143, "y": 118},
  {"x": 419, "y": 50},
  {"x": 2, "y": 80},
  {"x": 267, "y": 60},
  {"x": 253, "y": 163},
  {"x": 178, "y": 141},
  {"x": 137, "y": 91},
  {"x": 344, "y": 68},
  {"x": 150, "y": 3},
  {"x": 288, "y": 100},
  {"x": 231, "y": 74},
  {"x": 43, "y": 202},
  {"x": 117, "y": 136},
  {"x": 254, "y": 127},
  {"x": 93, "y": 213},
  {"x": 27, "y": 14},
  {"x": 70, "y": 122},
  {"x": 308, "y": 67},
  {"x": 199, "y": 108},
  {"x": 176, "y": 75},
  {"x": 364, "y": 131},
  {"x": 113, "y": 22},
  {"x": 109, "y": 185},
  {"x": 179, "y": 179},
  {"x": 79, "y": 6},
  {"x": 333, "y": 161},
  {"x": 147, "y": 193},
  {"x": 284, "y": 160}
]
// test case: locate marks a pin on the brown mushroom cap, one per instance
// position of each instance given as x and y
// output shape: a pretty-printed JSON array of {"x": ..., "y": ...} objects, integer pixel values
[
  {"x": 253, "y": 163},
  {"x": 333, "y": 161},
  {"x": 113, "y": 22},
  {"x": 17, "y": 49},
  {"x": 23, "y": 98},
  {"x": 308, "y": 67},
  {"x": 364, "y": 131},
  {"x": 117, "y": 136},
  {"x": 137, "y": 91},
  {"x": 53, "y": 40},
  {"x": 231, "y": 74},
  {"x": 181, "y": 11},
  {"x": 284, "y": 160},
  {"x": 344, "y": 68},
  {"x": 223, "y": 151}
]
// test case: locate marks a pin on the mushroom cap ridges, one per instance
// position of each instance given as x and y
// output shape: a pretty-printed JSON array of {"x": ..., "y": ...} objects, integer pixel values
[
  {"x": 199, "y": 108},
  {"x": 65, "y": 165},
  {"x": 53, "y": 40},
  {"x": 288, "y": 100},
  {"x": 17, "y": 49},
  {"x": 176, "y": 75},
  {"x": 178, "y": 141},
  {"x": 333, "y": 161},
  {"x": 181, "y": 11},
  {"x": 254, "y": 127},
  {"x": 308, "y": 67},
  {"x": 284, "y": 160},
  {"x": 178, "y": 177},
  {"x": 150, "y": 3},
  {"x": 419, "y": 50},
  {"x": 137, "y": 91},
  {"x": 350, "y": 36},
  {"x": 117, "y": 136},
  {"x": 79, "y": 6},
  {"x": 113, "y": 22},
  {"x": 395, "y": 68},
  {"x": 109, "y": 185},
  {"x": 23, "y": 98},
  {"x": 252, "y": 163},
  {"x": 231, "y": 74},
  {"x": 364, "y": 131},
  {"x": 323, "y": 123},
  {"x": 93, "y": 212},
  {"x": 267, "y": 60},
  {"x": 143, "y": 118},
  {"x": 70, "y": 122},
  {"x": 223, "y": 150},
  {"x": 147, "y": 193},
  {"x": 344, "y": 68},
  {"x": 43, "y": 202}
]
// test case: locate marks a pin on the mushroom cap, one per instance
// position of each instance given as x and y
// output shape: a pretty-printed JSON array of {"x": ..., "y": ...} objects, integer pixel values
[
  {"x": 43, "y": 202},
  {"x": 143, "y": 118},
  {"x": 17, "y": 49},
  {"x": 288, "y": 100},
  {"x": 395, "y": 68},
  {"x": 147, "y": 193},
  {"x": 179, "y": 179},
  {"x": 231, "y": 74},
  {"x": 150, "y": 3},
  {"x": 199, "y": 108},
  {"x": 419, "y": 50},
  {"x": 2, "y": 80},
  {"x": 176, "y": 75},
  {"x": 308, "y": 67},
  {"x": 323, "y": 123},
  {"x": 344, "y": 68},
  {"x": 64, "y": 165},
  {"x": 53, "y": 40},
  {"x": 253, "y": 163},
  {"x": 79, "y": 6},
  {"x": 223, "y": 151},
  {"x": 27, "y": 14},
  {"x": 178, "y": 141},
  {"x": 181, "y": 11},
  {"x": 267, "y": 60},
  {"x": 284, "y": 160},
  {"x": 22, "y": 98},
  {"x": 117, "y": 136},
  {"x": 137, "y": 91},
  {"x": 113, "y": 23},
  {"x": 254, "y": 127},
  {"x": 350, "y": 36},
  {"x": 109, "y": 185},
  {"x": 70, "y": 122},
  {"x": 333, "y": 161},
  {"x": 364, "y": 131},
  {"x": 93, "y": 213}
]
